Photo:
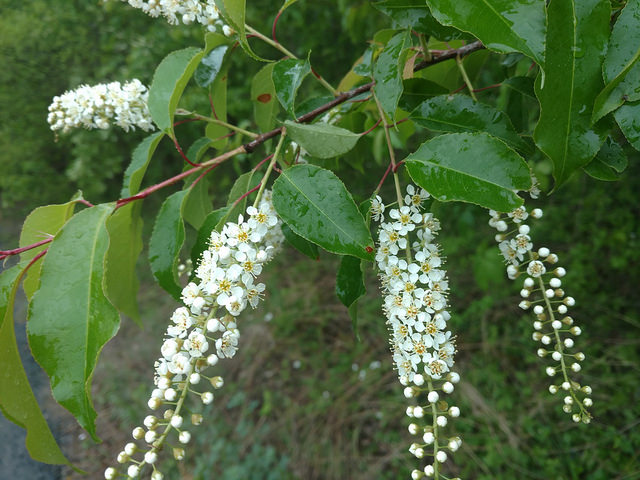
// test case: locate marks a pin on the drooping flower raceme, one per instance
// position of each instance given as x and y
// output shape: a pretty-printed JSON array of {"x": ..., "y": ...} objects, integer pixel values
[
  {"x": 542, "y": 292},
  {"x": 415, "y": 289},
  {"x": 186, "y": 11},
  {"x": 99, "y": 106},
  {"x": 203, "y": 331}
]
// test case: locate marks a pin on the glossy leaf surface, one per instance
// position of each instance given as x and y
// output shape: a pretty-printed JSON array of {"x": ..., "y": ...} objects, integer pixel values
[
  {"x": 621, "y": 69},
  {"x": 609, "y": 163},
  {"x": 70, "y": 318},
  {"x": 501, "y": 25},
  {"x": 210, "y": 66},
  {"x": 42, "y": 223},
  {"x": 322, "y": 140},
  {"x": 460, "y": 113},
  {"x": 318, "y": 207},
  {"x": 475, "y": 168},
  {"x": 577, "y": 35},
  {"x": 415, "y": 14},
  {"x": 296, "y": 241},
  {"x": 169, "y": 81},
  {"x": 166, "y": 242},
  {"x": 17, "y": 401},
  {"x": 628, "y": 119},
  {"x": 387, "y": 73},
  {"x": 287, "y": 76}
]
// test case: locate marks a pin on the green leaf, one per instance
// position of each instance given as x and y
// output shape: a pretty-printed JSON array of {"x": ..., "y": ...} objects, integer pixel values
[
  {"x": 322, "y": 140},
  {"x": 459, "y": 113},
  {"x": 17, "y": 400},
  {"x": 40, "y": 224},
  {"x": 522, "y": 85},
  {"x": 287, "y": 76},
  {"x": 169, "y": 81},
  {"x": 210, "y": 66},
  {"x": 198, "y": 203},
  {"x": 287, "y": 4},
  {"x": 502, "y": 25},
  {"x": 218, "y": 93},
  {"x": 417, "y": 90},
  {"x": 166, "y": 242},
  {"x": 318, "y": 207},
  {"x": 303, "y": 246},
  {"x": 120, "y": 282},
  {"x": 139, "y": 162},
  {"x": 233, "y": 11},
  {"x": 628, "y": 119},
  {"x": 609, "y": 163},
  {"x": 350, "y": 287},
  {"x": 67, "y": 344},
  {"x": 475, "y": 168},
  {"x": 204, "y": 233},
  {"x": 415, "y": 15},
  {"x": 387, "y": 73},
  {"x": 263, "y": 95},
  {"x": 242, "y": 185},
  {"x": 577, "y": 35},
  {"x": 621, "y": 69}
]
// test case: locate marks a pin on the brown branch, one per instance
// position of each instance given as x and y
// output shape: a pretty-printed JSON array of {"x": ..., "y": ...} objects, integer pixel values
[{"x": 252, "y": 145}]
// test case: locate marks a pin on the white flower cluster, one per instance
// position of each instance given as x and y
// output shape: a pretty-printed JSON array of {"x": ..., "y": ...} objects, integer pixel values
[
  {"x": 186, "y": 11},
  {"x": 543, "y": 293},
  {"x": 415, "y": 301},
  {"x": 99, "y": 105},
  {"x": 203, "y": 331}
]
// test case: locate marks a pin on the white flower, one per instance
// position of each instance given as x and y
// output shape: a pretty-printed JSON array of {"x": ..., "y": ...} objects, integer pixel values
[
  {"x": 179, "y": 364},
  {"x": 196, "y": 344},
  {"x": 96, "y": 106},
  {"x": 377, "y": 209},
  {"x": 536, "y": 269},
  {"x": 227, "y": 345}
]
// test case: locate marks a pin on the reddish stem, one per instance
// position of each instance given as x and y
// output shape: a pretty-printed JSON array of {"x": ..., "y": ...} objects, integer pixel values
[
  {"x": 464, "y": 85},
  {"x": 184, "y": 157},
  {"x": 395, "y": 169},
  {"x": 85, "y": 202},
  {"x": 262, "y": 162},
  {"x": 398, "y": 122},
  {"x": 495, "y": 85},
  {"x": 186, "y": 120},
  {"x": 246, "y": 194},
  {"x": 384, "y": 177},
  {"x": 213, "y": 109},
  {"x": 7, "y": 253},
  {"x": 203, "y": 174},
  {"x": 33, "y": 260},
  {"x": 273, "y": 27},
  {"x": 372, "y": 128}
]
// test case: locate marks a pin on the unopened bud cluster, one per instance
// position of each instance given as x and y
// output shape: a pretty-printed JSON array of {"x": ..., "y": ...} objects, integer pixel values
[
  {"x": 543, "y": 293},
  {"x": 186, "y": 11},
  {"x": 98, "y": 106},
  {"x": 415, "y": 291},
  {"x": 202, "y": 332}
]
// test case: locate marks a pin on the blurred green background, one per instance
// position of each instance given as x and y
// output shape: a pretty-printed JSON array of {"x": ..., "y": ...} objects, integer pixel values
[{"x": 304, "y": 399}]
